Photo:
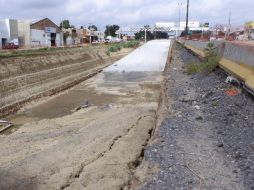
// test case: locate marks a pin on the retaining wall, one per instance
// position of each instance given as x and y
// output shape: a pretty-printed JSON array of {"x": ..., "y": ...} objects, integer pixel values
[{"x": 235, "y": 59}]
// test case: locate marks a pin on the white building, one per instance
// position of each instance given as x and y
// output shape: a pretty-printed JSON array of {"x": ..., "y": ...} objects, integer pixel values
[
  {"x": 164, "y": 24},
  {"x": 45, "y": 33},
  {"x": 100, "y": 35},
  {"x": 8, "y": 32},
  {"x": 24, "y": 33}
]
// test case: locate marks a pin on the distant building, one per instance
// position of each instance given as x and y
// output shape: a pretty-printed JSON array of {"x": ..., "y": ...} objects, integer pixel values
[
  {"x": 24, "y": 33},
  {"x": 100, "y": 36},
  {"x": 164, "y": 24},
  {"x": 249, "y": 30},
  {"x": 42, "y": 33},
  {"x": 8, "y": 32},
  {"x": 70, "y": 36},
  {"x": 45, "y": 33},
  {"x": 85, "y": 35}
]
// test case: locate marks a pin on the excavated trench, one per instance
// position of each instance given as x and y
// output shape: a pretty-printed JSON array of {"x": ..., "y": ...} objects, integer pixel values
[{"x": 100, "y": 146}]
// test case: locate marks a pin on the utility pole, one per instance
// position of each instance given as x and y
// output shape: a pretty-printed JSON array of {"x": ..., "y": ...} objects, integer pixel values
[
  {"x": 145, "y": 34},
  {"x": 187, "y": 18},
  {"x": 179, "y": 4},
  {"x": 229, "y": 23},
  {"x": 62, "y": 34}
]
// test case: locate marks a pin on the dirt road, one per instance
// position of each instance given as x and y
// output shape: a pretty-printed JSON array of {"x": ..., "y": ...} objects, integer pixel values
[{"x": 96, "y": 147}]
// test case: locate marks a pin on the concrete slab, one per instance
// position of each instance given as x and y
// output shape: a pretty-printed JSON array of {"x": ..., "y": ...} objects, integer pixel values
[{"x": 150, "y": 57}]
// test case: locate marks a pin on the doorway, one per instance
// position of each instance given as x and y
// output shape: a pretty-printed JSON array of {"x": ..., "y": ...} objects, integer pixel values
[{"x": 53, "y": 39}]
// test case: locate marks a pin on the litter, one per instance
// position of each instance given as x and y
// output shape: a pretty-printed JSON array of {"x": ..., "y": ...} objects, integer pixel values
[
  {"x": 4, "y": 125},
  {"x": 232, "y": 92}
]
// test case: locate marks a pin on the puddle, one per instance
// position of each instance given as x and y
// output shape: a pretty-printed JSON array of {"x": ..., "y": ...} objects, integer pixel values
[
  {"x": 64, "y": 104},
  {"x": 59, "y": 106}
]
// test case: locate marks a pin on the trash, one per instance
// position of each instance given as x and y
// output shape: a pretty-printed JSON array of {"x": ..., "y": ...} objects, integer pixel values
[
  {"x": 232, "y": 92},
  {"x": 4, "y": 125},
  {"x": 82, "y": 106},
  {"x": 232, "y": 80},
  {"x": 197, "y": 107},
  {"x": 220, "y": 145},
  {"x": 199, "y": 118}
]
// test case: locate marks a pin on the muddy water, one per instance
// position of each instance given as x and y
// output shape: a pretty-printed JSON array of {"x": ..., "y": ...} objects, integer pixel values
[{"x": 59, "y": 106}]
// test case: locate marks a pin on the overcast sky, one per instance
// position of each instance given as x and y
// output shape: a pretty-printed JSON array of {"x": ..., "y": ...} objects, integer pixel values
[{"x": 127, "y": 12}]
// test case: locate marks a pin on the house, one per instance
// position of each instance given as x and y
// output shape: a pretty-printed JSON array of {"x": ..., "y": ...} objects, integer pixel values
[
  {"x": 42, "y": 33},
  {"x": 86, "y": 36},
  {"x": 8, "y": 32},
  {"x": 45, "y": 33},
  {"x": 249, "y": 30},
  {"x": 70, "y": 36}
]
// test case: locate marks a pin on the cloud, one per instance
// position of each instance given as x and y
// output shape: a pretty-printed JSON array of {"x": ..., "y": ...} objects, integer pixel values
[{"x": 127, "y": 12}]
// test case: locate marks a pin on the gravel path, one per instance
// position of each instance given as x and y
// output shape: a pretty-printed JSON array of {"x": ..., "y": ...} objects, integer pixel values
[{"x": 206, "y": 140}]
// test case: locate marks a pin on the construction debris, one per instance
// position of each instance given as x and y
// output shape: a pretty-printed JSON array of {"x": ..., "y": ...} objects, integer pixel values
[
  {"x": 82, "y": 106},
  {"x": 4, "y": 125}
]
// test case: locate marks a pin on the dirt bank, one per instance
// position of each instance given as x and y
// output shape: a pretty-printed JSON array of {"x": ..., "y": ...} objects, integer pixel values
[{"x": 27, "y": 78}]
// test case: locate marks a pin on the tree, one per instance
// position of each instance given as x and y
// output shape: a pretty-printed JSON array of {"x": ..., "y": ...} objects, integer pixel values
[
  {"x": 111, "y": 30},
  {"x": 93, "y": 27},
  {"x": 161, "y": 35},
  {"x": 65, "y": 24},
  {"x": 141, "y": 34}
]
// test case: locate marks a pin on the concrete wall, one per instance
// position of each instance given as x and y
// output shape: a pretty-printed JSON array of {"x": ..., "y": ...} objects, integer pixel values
[
  {"x": 24, "y": 34},
  {"x": 39, "y": 38},
  {"x": 13, "y": 25},
  {"x": 238, "y": 60},
  {"x": 227, "y": 50}
]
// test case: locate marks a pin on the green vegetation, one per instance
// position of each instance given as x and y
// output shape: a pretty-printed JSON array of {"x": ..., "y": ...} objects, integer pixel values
[
  {"x": 208, "y": 65},
  {"x": 29, "y": 52},
  {"x": 193, "y": 68},
  {"x": 118, "y": 46},
  {"x": 111, "y": 30}
]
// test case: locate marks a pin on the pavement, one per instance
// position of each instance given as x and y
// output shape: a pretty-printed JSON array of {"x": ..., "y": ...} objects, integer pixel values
[{"x": 97, "y": 147}]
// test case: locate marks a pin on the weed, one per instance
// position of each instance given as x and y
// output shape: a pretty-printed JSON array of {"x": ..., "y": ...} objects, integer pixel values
[
  {"x": 193, "y": 68},
  {"x": 208, "y": 65}
]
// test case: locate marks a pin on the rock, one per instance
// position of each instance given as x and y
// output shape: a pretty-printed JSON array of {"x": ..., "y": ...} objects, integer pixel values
[
  {"x": 220, "y": 145},
  {"x": 199, "y": 118},
  {"x": 197, "y": 107}
]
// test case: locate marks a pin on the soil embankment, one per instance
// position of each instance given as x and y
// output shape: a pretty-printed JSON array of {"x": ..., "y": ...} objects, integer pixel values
[{"x": 25, "y": 78}]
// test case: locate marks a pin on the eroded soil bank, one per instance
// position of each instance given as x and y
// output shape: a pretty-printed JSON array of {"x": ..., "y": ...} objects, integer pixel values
[{"x": 206, "y": 138}]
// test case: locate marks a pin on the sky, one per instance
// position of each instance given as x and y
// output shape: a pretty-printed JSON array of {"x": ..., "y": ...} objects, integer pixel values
[{"x": 127, "y": 12}]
